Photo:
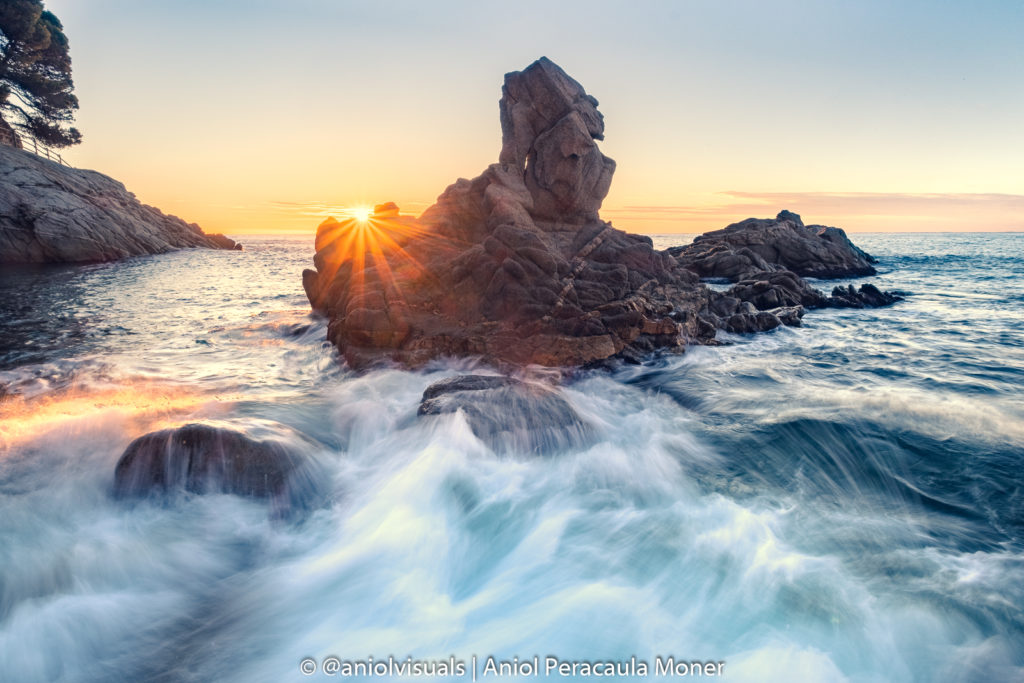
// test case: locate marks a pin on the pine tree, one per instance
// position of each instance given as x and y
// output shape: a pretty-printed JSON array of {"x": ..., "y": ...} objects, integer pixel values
[{"x": 36, "y": 95}]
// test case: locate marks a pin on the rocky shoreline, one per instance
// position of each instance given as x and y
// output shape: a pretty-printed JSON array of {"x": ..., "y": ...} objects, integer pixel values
[
  {"x": 516, "y": 266},
  {"x": 51, "y": 213}
]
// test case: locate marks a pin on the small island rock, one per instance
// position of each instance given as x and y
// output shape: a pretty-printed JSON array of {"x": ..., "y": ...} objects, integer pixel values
[{"x": 785, "y": 243}]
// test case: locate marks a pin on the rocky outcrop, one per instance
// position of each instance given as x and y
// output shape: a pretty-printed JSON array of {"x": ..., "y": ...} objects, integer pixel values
[
  {"x": 868, "y": 296},
  {"x": 768, "y": 259},
  {"x": 204, "y": 458},
  {"x": 515, "y": 265},
  {"x": 756, "y": 245},
  {"x": 767, "y": 299},
  {"x": 50, "y": 213},
  {"x": 509, "y": 415}
]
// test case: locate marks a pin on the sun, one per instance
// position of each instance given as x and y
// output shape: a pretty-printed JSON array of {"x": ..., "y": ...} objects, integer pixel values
[{"x": 361, "y": 213}]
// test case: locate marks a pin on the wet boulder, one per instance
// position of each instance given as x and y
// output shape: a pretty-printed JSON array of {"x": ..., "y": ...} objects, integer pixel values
[
  {"x": 868, "y": 296},
  {"x": 509, "y": 415},
  {"x": 205, "y": 458}
]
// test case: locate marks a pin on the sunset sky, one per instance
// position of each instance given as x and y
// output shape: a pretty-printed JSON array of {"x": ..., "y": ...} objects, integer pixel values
[{"x": 267, "y": 115}]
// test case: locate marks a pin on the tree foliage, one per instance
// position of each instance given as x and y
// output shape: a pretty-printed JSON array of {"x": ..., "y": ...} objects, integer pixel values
[{"x": 36, "y": 95}]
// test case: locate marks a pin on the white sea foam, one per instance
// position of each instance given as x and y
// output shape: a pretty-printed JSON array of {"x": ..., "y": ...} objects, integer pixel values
[{"x": 790, "y": 506}]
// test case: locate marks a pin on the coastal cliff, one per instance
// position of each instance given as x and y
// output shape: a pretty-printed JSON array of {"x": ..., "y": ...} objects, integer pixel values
[
  {"x": 50, "y": 213},
  {"x": 516, "y": 266}
]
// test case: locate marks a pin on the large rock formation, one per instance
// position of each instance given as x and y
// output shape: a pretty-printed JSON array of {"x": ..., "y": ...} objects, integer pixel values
[
  {"x": 516, "y": 266},
  {"x": 50, "y": 213}
]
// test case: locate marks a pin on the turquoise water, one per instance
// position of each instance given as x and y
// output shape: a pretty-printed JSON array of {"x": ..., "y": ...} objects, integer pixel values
[{"x": 837, "y": 502}]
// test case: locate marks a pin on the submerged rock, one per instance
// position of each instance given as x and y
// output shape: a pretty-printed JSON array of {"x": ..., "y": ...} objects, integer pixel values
[
  {"x": 50, "y": 213},
  {"x": 203, "y": 458},
  {"x": 515, "y": 265},
  {"x": 509, "y": 415}
]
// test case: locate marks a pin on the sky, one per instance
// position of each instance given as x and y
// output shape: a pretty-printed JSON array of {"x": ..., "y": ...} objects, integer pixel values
[{"x": 268, "y": 115}]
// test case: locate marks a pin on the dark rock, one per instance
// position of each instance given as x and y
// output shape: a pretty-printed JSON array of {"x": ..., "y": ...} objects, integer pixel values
[
  {"x": 466, "y": 383},
  {"x": 785, "y": 243},
  {"x": 509, "y": 415},
  {"x": 785, "y": 296},
  {"x": 222, "y": 242},
  {"x": 202, "y": 458},
  {"x": 772, "y": 289},
  {"x": 721, "y": 261},
  {"x": 50, "y": 213},
  {"x": 755, "y": 321},
  {"x": 868, "y": 296},
  {"x": 516, "y": 267}
]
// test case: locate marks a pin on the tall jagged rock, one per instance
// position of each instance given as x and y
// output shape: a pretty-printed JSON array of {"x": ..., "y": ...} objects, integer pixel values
[
  {"x": 515, "y": 265},
  {"x": 548, "y": 126}
]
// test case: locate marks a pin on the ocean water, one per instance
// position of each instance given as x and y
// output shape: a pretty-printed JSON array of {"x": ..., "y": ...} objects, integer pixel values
[{"x": 836, "y": 502}]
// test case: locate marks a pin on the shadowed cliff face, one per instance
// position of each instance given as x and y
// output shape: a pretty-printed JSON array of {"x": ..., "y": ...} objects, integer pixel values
[{"x": 515, "y": 265}]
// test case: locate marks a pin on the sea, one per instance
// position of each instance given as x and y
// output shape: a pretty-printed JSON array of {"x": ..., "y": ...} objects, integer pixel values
[{"x": 840, "y": 501}]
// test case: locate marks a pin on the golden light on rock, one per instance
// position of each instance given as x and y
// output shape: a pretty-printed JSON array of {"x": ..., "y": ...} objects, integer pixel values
[{"x": 377, "y": 235}]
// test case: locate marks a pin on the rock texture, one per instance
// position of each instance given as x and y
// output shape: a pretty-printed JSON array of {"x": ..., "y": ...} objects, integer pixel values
[
  {"x": 203, "y": 458},
  {"x": 509, "y": 415},
  {"x": 516, "y": 266},
  {"x": 767, "y": 259},
  {"x": 759, "y": 244},
  {"x": 50, "y": 213}
]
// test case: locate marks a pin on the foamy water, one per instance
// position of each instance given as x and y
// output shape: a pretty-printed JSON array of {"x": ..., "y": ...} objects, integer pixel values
[{"x": 838, "y": 502}]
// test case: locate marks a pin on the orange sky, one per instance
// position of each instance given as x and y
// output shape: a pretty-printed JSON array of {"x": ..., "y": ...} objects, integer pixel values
[{"x": 269, "y": 116}]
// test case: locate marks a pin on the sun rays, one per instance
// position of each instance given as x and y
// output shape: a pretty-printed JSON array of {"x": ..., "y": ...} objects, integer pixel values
[{"x": 371, "y": 242}]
